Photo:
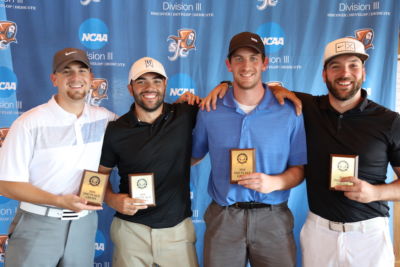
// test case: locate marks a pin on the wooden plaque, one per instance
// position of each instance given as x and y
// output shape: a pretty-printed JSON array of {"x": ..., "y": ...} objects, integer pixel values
[
  {"x": 342, "y": 166},
  {"x": 93, "y": 187},
  {"x": 242, "y": 162},
  {"x": 141, "y": 186}
]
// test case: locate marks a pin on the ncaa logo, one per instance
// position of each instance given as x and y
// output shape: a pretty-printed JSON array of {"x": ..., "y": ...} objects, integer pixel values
[
  {"x": 181, "y": 45},
  {"x": 93, "y": 33},
  {"x": 100, "y": 244},
  {"x": 8, "y": 82},
  {"x": 3, "y": 134},
  {"x": 178, "y": 85},
  {"x": 272, "y": 36},
  {"x": 8, "y": 30},
  {"x": 98, "y": 92},
  {"x": 265, "y": 3},
  {"x": 366, "y": 37}
]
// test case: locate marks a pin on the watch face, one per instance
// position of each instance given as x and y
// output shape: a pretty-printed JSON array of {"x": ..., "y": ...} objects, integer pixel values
[
  {"x": 343, "y": 165},
  {"x": 141, "y": 183}
]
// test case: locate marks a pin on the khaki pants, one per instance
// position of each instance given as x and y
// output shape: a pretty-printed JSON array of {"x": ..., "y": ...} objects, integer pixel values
[{"x": 139, "y": 245}]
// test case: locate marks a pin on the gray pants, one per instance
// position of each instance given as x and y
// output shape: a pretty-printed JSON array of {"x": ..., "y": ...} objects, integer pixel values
[
  {"x": 48, "y": 242},
  {"x": 262, "y": 236}
]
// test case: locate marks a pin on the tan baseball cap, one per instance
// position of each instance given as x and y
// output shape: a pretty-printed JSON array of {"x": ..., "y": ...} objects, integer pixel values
[
  {"x": 344, "y": 46},
  {"x": 145, "y": 65},
  {"x": 63, "y": 57}
]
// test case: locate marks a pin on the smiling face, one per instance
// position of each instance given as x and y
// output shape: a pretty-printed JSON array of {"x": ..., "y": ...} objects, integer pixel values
[
  {"x": 73, "y": 82},
  {"x": 246, "y": 65},
  {"x": 344, "y": 76},
  {"x": 148, "y": 91}
]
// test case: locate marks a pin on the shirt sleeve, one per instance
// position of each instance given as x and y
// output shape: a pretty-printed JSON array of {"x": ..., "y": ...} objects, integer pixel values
[
  {"x": 16, "y": 153},
  {"x": 108, "y": 157},
  {"x": 200, "y": 137},
  {"x": 394, "y": 147},
  {"x": 298, "y": 147}
]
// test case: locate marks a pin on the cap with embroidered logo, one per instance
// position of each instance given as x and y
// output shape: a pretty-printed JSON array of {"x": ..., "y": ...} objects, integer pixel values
[
  {"x": 344, "y": 46},
  {"x": 63, "y": 57},
  {"x": 246, "y": 39},
  {"x": 145, "y": 65}
]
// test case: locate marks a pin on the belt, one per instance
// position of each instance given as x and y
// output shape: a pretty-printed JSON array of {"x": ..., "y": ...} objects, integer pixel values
[
  {"x": 249, "y": 205},
  {"x": 62, "y": 214},
  {"x": 360, "y": 226}
]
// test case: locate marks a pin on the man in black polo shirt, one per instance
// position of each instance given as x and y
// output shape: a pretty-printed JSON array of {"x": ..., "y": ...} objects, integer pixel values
[
  {"x": 153, "y": 137},
  {"x": 347, "y": 226},
  {"x": 351, "y": 221}
]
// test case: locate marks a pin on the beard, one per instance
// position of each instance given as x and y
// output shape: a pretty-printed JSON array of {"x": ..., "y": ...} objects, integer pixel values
[
  {"x": 76, "y": 95},
  {"x": 336, "y": 93},
  {"x": 152, "y": 107}
]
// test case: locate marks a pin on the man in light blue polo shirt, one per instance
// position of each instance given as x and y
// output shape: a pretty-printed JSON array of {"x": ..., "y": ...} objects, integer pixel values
[{"x": 250, "y": 221}]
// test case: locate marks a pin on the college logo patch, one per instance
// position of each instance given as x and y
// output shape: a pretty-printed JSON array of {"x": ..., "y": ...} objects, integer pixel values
[
  {"x": 265, "y": 3},
  {"x": 181, "y": 45},
  {"x": 98, "y": 92},
  {"x": 8, "y": 30},
  {"x": 3, "y": 134},
  {"x": 366, "y": 37}
]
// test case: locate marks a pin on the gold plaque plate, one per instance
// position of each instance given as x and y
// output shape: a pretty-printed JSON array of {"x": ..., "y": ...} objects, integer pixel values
[
  {"x": 343, "y": 166},
  {"x": 141, "y": 186},
  {"x": 242, "y": 162},
  {"x": 93, "y": 187}
]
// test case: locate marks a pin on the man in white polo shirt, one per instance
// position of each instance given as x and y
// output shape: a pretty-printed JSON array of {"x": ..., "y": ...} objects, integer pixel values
[{"x": 41, "y": 165}]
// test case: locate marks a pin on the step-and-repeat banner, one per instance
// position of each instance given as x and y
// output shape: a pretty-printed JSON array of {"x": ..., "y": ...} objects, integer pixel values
[{"x": 191, "y": 39}]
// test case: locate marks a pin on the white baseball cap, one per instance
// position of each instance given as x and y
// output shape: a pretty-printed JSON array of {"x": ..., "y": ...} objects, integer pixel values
[
  {"x": 145, "y": 65},
  {"x": 344, "y": 46}
]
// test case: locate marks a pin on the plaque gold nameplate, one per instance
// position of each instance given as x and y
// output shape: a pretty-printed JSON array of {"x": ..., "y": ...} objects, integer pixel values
[
  {"x": 342, "y": 166},
  {"x": 93, "y": 187},
  {"x": 242, "y": 163},
  {"x": 141, "y": 186}
]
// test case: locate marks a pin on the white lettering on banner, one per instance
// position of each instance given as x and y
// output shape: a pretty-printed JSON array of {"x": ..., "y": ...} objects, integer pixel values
[
  {"x": 95, "y": 37},
  {"x": 180, "y": 91},
  {"x": 8, "y": 86},
  {"x": 171, "y": 6},
  {"x": 6, "y": 212},
  {"x": 354, "y": 7},
  {"x": 175, "y": 48},
  {"x": 274, "y": 60},
  {"x": 9, "y": 105},
  {"x": 104, "y": 264},
  {"x": 273, "y": 41},
  {"x": 266, "y": 3},
  {"x": 99, "y": 246},
  {"x": 87, "y": 2}
]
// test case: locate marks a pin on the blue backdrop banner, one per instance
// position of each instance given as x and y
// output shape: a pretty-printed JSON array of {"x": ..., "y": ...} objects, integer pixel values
[{"x": 191, "y": 39}]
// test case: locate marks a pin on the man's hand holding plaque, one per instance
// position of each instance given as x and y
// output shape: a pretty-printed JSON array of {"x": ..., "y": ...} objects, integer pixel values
[
  {"x": 343, "y": 166},
  {"x": 243, "y": 162},
  {"x": 93, "y": 187},
  {"x": 141, "y": 186}
]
